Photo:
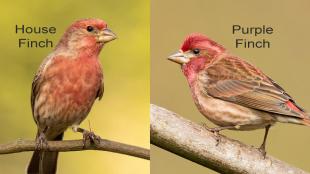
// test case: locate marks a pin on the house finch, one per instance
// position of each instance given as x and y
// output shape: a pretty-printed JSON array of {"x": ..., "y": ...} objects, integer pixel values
[
  {"x": 231, "y": 92},
  {"x": 66, "y": 85}
]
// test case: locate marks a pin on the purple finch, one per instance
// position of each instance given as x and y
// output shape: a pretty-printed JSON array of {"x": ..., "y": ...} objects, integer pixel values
[
  {"x": 231, "y": 92},
  {"x": 66, "y": 85}
]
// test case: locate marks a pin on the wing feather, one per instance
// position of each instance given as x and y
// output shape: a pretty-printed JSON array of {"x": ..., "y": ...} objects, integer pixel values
[{"x": 237, "y": 81}]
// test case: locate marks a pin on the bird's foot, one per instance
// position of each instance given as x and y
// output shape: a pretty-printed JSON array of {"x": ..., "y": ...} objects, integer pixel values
[
  {"x": 90, "y": 136},
  {"x": 262, "y": 150},
  {"x": 87, "y": 135},
  {"x": 41, "y": 142},
  {"x": 215, "y": 131}
]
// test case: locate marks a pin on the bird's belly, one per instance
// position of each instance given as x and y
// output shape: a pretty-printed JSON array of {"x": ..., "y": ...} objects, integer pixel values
[
  {"x": 224, "y": 113},
  {"x": 66, "y": 100}
]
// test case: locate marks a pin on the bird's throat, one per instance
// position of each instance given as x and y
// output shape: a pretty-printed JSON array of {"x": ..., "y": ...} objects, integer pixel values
[{"x": 192, "y": 68}]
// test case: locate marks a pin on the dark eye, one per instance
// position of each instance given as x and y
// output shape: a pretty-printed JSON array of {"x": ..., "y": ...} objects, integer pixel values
[
  {"x": 196, "y": 51},
  {"x": 90, "y": 28}
]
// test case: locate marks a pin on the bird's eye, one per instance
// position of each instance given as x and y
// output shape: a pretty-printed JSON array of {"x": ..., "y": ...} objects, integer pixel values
[
  {"x": 90, "y": 28},
  {"x": 196, "y": 51}
]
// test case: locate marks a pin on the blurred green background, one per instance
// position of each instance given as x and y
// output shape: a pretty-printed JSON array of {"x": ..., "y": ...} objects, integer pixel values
[
  {"x": 287, "y": 62},
  {"x": 122, "y": 115}
]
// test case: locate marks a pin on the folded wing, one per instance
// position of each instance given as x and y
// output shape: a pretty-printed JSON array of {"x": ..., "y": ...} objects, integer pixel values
[{"x": 234, "y": 80}]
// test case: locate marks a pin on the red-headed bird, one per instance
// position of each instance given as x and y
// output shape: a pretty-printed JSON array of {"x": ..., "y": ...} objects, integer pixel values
[
  {"x": 66, "y": 85},
  {"x": 231, "y": 92}
]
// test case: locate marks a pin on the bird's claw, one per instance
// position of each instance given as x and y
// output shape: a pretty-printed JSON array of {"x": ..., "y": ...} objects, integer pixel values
[
  {"x": 91, "y": 136},
  {"x": 41, "y": 142},
  {"x": 215, "y": 131},
  {"x": 262, "y": 151}
]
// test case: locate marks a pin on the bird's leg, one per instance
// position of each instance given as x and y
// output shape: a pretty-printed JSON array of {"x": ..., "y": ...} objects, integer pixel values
[
  {"x": 41, "y": 140},
  {"x": 217, "y": 130},
  {"x": 262, "y": 148},
  {"x": 87, "y": 135}
]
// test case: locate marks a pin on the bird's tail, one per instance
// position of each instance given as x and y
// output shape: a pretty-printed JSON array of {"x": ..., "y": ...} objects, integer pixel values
[
  {"x": 306, "y": 121},
  {"x": 47, "y": 160}
]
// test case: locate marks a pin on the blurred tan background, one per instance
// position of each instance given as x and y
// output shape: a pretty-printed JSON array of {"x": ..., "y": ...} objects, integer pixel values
[
  {"x": 287, "y": 62},
  {"x": 123, "y": 113}
]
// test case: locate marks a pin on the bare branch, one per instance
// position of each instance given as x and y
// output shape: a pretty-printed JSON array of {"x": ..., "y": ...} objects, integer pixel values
[
  {"x": 191, "y": 141},
  {"x": 76, "y": 145}
]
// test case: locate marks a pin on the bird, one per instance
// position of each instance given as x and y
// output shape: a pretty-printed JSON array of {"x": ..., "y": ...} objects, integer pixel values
[
  {"x": 65, "y": 87},
  {"x": 232, "y": 93}
]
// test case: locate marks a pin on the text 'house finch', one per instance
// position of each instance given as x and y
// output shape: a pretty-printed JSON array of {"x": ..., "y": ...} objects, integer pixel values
[
  {"x": 232, "y": 93},
  {"x": 66, "y": 85}
]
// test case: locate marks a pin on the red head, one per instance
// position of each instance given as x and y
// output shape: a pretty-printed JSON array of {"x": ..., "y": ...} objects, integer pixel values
[
  {"x": 197, "y": 46},
  {"x": 86, "y": 35},
  {"x": 196, "y": 51}
]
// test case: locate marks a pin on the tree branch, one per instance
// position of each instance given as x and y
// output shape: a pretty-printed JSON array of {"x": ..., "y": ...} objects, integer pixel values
[
  {"x": 191, "y": 141},
  {"x": 76, "y": 145}
]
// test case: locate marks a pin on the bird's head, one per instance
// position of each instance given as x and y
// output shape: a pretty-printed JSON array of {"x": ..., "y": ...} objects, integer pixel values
[
  {"x": 196, "y": 46},
  {"x": 87, "y": 34}
]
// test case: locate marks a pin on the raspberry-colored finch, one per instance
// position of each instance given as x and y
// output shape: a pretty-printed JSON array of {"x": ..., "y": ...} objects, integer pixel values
[
  {"x": 231, "y": 92},
  {"x": 66, "y": 85}
]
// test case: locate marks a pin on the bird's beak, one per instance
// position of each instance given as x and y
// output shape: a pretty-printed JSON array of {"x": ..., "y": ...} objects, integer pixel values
[
  {"x": 106, "y": 35},
  {"x": 179, "y": 57}
]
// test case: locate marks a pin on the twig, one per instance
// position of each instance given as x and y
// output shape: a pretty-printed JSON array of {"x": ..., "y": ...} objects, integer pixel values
[
  {"x": 193, "y": 142},
  {"x": 76, "y": 145}
]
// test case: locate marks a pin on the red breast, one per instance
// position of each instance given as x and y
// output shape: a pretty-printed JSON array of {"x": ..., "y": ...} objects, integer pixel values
[{"x": 73, "y": 81}]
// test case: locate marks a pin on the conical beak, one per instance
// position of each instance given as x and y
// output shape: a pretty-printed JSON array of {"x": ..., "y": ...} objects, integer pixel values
[
  {"x": 179, "y": 57},
  {"x": 106, "y": 36}
]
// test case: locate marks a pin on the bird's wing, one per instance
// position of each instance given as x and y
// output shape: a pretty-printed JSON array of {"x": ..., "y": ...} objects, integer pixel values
[
  {"x": 37, "y": 80},
  {"x": 34, "y": 90},
  {"x": 101, "y": 87},
  {"x": 100, "y": 91},
  {"x": 234, "y": 80}
]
